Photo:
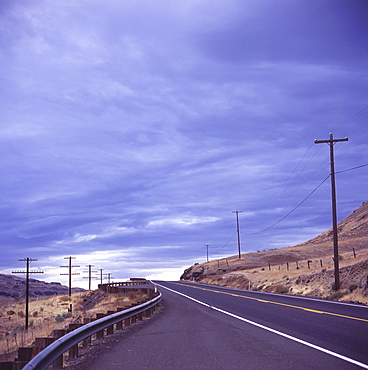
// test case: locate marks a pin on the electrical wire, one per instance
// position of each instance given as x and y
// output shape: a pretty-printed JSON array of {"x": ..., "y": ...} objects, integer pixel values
[
  {"x": 319, "y": 169},
  {"x": 353, "y": 168},
  {"x": 288, "y": 214},
  {"x": 218, "y": 250}
]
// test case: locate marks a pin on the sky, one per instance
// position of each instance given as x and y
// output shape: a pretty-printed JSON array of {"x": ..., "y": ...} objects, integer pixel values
[{"x": 131, "y": 131}]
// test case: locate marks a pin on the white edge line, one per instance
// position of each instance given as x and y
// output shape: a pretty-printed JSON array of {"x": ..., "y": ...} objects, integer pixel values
[{"x": 365, "y": 366}]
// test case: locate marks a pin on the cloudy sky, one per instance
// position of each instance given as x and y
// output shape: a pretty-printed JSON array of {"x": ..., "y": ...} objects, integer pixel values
[{"x": 130, "y": 131}]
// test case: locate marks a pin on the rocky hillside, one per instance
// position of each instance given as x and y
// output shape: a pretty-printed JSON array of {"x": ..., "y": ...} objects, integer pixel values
[
  {"x": 305, "y": 269},
  {"x": 13, "y": 287}
]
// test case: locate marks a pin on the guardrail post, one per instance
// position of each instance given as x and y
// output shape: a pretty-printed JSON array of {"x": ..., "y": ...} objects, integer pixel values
[
  {"x": 57, "y": 333},
  {"x": 8, "y": 365},
  {"x": 119, "y": 325},
  {"x": 126, "y": 322},
  {"x": 40, "y": 344},
  {"x": 110, "y": 329},
  {"x": 73, "y": 351},
  {"x": 100, "y": 333},
  {"x": 24, "y": 355},
  {"x": 87, "y": 341},
  {"x": 58, "y": 363}
]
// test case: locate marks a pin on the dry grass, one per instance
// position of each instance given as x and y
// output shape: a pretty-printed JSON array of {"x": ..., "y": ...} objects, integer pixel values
[
  {"x": 286, "y": 271},
  {"x": 42, "y": 314}
]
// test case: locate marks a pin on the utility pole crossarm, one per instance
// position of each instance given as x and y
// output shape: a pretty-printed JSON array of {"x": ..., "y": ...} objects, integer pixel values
[{"x": 330, "y": 141}]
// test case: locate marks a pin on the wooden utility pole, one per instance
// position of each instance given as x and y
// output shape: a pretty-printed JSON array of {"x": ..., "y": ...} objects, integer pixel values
[
  {"x": 90, "y": 275},
  {"x": 27, "y": 273},
  {"x": 207, "y": 245},
  {"x": 101, "y": 274},
  {"x": 332, "y": 142},
  {"x": 109, "y": 277},
  {"x": 70, "y": 272},
  {"x": 238, "y": 230}
]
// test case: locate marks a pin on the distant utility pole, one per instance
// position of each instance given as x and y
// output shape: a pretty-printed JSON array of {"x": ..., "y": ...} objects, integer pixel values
[
  {"x": 331, "y": 142},
  {"x": 27, "y": 273},
  {"x": 109, "y": 277},
  {"x": 238, "y": 230},
  {"x": 101, "y": 274},
  {"x": 207, "y": 245},
  {"x": 90, "y": 275},
  {"x": 70, "y": 272}
]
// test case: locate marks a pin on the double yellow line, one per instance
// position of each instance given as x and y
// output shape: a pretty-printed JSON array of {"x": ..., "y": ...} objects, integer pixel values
[{"x": 276, "y": 303}]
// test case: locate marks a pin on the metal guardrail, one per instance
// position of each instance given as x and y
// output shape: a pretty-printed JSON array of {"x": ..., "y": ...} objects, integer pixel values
[{"x": 51, "y": 353}]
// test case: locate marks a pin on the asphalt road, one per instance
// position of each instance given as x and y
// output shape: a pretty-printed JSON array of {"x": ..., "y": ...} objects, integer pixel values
[{"x": 233, "y": 329}]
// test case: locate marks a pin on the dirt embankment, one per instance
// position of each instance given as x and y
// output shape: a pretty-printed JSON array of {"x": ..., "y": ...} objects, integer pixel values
[
  {"x": 305, "y": 269},
  {"x": 309, "y": 277}
]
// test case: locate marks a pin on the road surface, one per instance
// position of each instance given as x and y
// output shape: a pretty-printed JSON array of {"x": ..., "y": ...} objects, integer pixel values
[{"x": 207, "y": 327}]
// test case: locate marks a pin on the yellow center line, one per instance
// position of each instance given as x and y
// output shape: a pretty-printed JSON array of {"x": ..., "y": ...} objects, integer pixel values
[{"x": 276, "y": 303}]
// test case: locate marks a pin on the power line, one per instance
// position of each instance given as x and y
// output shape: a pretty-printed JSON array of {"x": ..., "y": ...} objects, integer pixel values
[
  {"x": 226, "y": 244},
  {"x": 353, "y": 168},
  {"x": 351, "y": 119},
  {"x": 288, "y": 214}
]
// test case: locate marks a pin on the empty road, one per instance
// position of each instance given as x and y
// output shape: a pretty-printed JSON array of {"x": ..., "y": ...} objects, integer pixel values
[{"x": 207, "y": 327}]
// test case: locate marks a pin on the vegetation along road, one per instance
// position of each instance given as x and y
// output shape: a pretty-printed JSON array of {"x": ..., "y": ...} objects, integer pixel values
[{"x": 207, "y": 327}]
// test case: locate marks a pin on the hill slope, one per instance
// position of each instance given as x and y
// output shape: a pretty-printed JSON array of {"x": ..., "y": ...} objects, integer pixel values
[
  {"x": 13, "y": 287},
  {"x": 305, "y": 269}
]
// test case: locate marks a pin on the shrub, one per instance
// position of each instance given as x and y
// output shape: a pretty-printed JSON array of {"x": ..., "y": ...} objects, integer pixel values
[
  {"x": 281, "y": 289},
  {"x": 352, "y": 287},
  {"x": 336, "y": 295},
  {"x": 60, "y": 318}
]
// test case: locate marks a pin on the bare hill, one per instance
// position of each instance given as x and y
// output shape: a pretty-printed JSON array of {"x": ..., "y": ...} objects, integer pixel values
[
  {"x": 305, "y": 269},
  {"x": 13, "y": 287},
  {"x": 353, "y": 228}
]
